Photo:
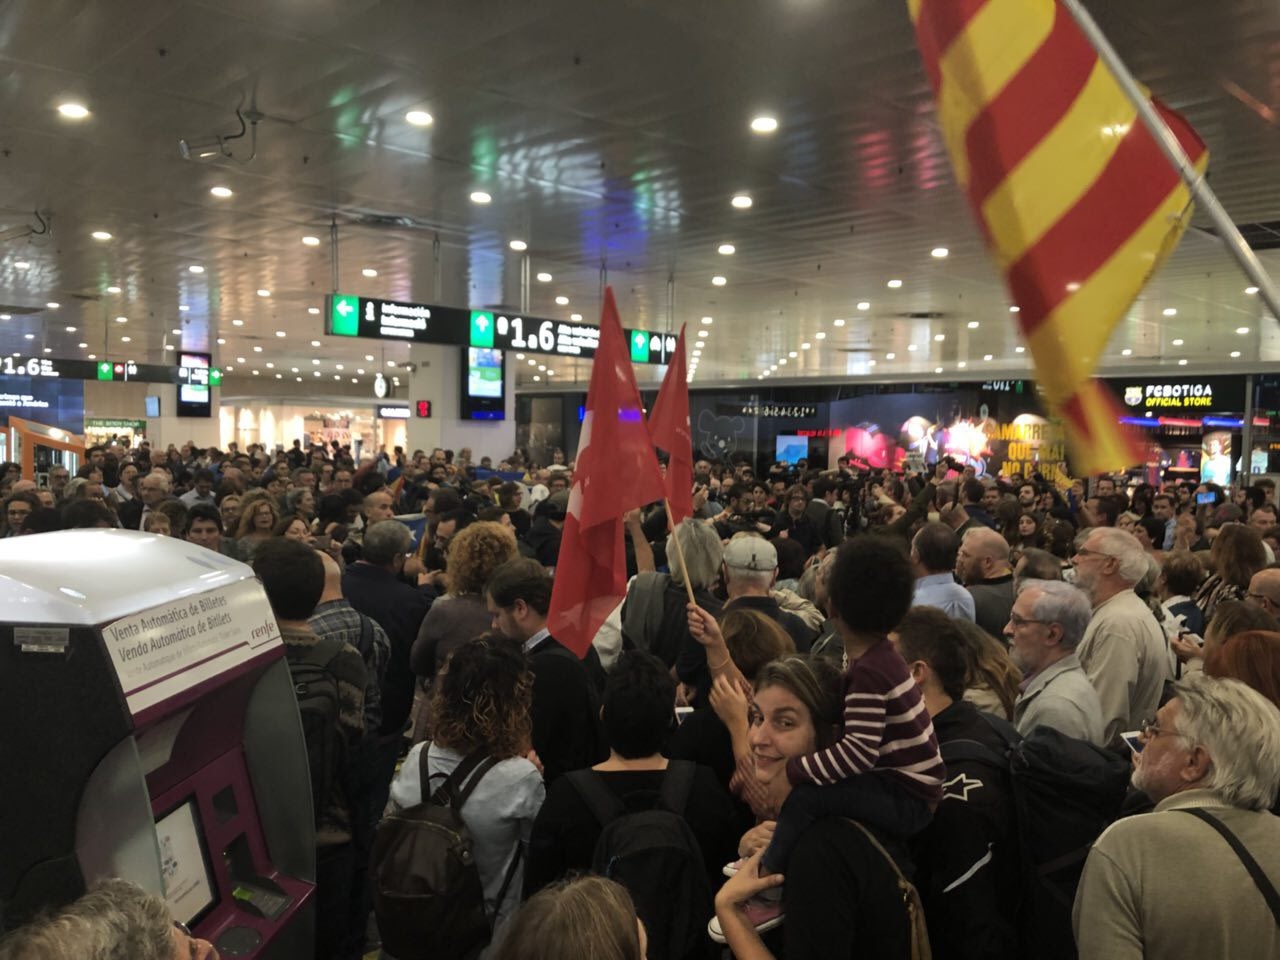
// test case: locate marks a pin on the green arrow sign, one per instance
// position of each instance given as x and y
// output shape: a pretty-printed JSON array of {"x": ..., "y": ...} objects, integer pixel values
[
  {"x": 481, "y": 328},
  {"x": 639, "y": 347},
  {"x": 344, "y": 317},
  {"x": 104, "y": 370}
]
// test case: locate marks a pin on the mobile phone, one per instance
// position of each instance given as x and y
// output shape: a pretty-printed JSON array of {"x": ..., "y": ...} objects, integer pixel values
[
  {"x": 1133, "y": 739},
  {"x": 322, "y": 542},
  {"x": 1206, "y": 497},
  {"x": 682, "y": 712}
]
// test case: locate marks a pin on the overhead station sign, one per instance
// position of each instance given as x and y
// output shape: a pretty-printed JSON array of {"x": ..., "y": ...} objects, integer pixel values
[{"x": 352, "y": 316}]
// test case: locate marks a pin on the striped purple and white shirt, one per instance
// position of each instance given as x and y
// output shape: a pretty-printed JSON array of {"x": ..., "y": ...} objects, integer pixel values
[{"x": 886, "y": 729}]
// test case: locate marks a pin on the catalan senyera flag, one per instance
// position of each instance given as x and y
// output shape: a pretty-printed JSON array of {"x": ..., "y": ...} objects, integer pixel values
[
  {"x": 615, "y": 470},
  {"x": 1078, "y": 205},
  {"x": 669, "y": 427}
]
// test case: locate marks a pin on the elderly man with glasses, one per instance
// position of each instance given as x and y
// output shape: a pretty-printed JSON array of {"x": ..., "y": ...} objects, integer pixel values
[
  {"x": 1123, "y": 651},
  {"x": 1197, "y": 877},
  {"x": 1264, "y": 590},
  {"x": 1046, "y": 625}
]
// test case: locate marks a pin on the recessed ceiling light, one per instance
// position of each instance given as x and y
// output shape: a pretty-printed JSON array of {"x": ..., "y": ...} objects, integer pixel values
[
  {"x": 532, "y": 362},
  {"x": 257, "y": 373},
  {"x": 536, "y": 378},
  {"x": 279, "y": 376},
  {"x": 1178, "y": 343},
  {"x": 299, "y": 379},
  {"x": 988, "y": 356},
  {"x": 240, "y": 360},
  {"x": 368, "y": 272},
  {"x": 519, "y": 356},
  {"x": 391, "y": 363},
  {"x": 973, "y": 324},
  {"x": 113, "y": 289},
  {"x": 1024, "y": 350},
  {"x": 939, "y": 253},
  {"x": 369, "y": 357},
  {"x": 53, "y": 304},
  {"x": 314, "y": 311},
  {"x": 315, "y": 343},
  {"x": 704, "y": 333},
  {"x": 93, "y": 356},
  {"x": 545, "y": 277},
  {"x": 871, "y": 363},
  {"x": 1251, "y": 290},
  {"x": 1182, "y": 363},
  {"x": 864, "y": 305},
  {"x": 894, "y": 284},
  {"x": 820, "y": 335},
  {"x": 237, "y": 322},
  {"x": 782, "y": 361},
  {"x": 23, "y": 265},
  {"x": 891, "y": 356},
  {"x": 1170, "y": 311},
  {"x": 293, "y": 369},
  {"x": 311, "y": 241},
  {"x": 29, "y": 336},
  {"x": 315, "y": 361},
  {"x": 222, "y": 192},
  {"x": 726, "y": 249},
  {"x": 264, "y": 292},
  {"x": 707, "y": 321},
  {"x": 339, "y": 366},
  {"x": 1235, "y": 354},
  {"x": 420, "y": 118},
  {"x": 280, "y": 333},
  {"x": 764, "y": 124},
  {"x": 479, "y": 196},
  {"x": 773, "y": 367},
  {"x": 838, "y": 322},
  {"x": 1242, "y": 330},
  {"x": 937, "y": 369},
  {"x": 1015, "y": 309},
  {"x": 82, "y": 346},
  {"x": 806, "y": 345},
  {"x": 257, "y": 349},
  {"x": 100, "y": 235},
  {"x": 71, "y": 329},
  {"x": 912, "y": 347},
  {"x": 718, "y": 281},
  {"x": 176, "y": 332},
  {"x": 741, "y": 201},
  {"x": 221, "y": 342},
  {"x": 562, "y": 301},
  {"x": 360, "y": 371},
  {"x": 518, "y": 245},
  {"x": 551, "y": 373},
  {"x": 48, "y": 349},
  {"x": 270, "y": 365},
  {"x": 73, "y": 111},
  {"x": 1126, "y": 352},
  {"x": 228, "y": 368},
  {"x": 183, "y": 308},
  {"x": 126, "y": 339},
  {"x": 793, "y": 354},
  {"x": 542, "y": 366},
  {"x": 196, "y": 268},
  {"x": 962, "y": 364},
  {"x": 354, "y": 380},
  {"x": 939, "y": 337},
  {"x": 575, "y": 317}
]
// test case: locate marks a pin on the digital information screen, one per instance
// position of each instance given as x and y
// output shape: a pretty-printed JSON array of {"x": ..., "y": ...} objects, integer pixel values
[
  {"x": 791, "y": 449},
  {"x": 184, "y": 867},
  {"x": 482, "y": 385},
  {"x": 352, "y": 316},
  {"x": 194, "y": 380}
]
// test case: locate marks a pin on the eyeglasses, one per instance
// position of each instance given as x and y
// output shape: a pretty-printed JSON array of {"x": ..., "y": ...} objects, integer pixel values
[
  {"x": 1261, "y": 599},
  {"x": 1018, "y": 621},
  {"x": 1086, "y": 552},
  {"x": 1151, "y": 729}
]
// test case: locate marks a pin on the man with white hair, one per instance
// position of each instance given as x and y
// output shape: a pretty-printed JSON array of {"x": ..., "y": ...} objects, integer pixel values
[
  {"x": 750, "y": 566},
  {"x": 1123, "y": 650},
  {"x": 1198, "y": 876},
  {"x": 1046, "y": 625}
]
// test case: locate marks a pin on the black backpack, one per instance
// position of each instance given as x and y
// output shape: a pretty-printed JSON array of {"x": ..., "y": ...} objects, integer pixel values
[
  {"x": 427, "y": 893},
  {"x": 316, "y": 689},
  {"x": 1065, "y": 793},
  {"x": 655, "y": 855}
]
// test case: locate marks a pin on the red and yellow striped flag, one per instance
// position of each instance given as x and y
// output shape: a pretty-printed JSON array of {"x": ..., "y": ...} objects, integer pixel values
[{"x": 1077, "y": 203}]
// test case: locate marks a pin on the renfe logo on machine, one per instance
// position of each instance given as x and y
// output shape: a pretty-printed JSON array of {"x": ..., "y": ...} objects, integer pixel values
[{"x": 167, "y": 649}]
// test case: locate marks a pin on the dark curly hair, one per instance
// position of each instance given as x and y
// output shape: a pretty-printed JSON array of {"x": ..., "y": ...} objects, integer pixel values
[{"x": 481, "y": 698}]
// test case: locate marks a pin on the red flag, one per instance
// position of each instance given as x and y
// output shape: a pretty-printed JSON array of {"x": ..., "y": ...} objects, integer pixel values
[
  {"x": 615, "y": 471},
  {"x": 669, "y": 427}
]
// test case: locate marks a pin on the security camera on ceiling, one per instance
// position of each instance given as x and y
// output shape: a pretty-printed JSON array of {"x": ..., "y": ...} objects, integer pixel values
[{"x": 218, "y": 146}]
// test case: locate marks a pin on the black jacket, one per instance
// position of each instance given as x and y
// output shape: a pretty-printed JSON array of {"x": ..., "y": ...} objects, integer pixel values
[
  {"x": 966, "y": 858},
  {"x": 565, "y": 710},
  {"x": 801, "y": 633},
  {"x": 398, "y": 608}
]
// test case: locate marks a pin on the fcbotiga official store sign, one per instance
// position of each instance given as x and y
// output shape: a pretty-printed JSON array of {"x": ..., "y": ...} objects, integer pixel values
[{"x": 1189, "y": 396}]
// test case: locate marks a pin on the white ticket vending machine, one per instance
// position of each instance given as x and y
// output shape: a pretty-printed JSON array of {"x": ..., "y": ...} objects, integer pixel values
[{"x": 150, "y": 732}]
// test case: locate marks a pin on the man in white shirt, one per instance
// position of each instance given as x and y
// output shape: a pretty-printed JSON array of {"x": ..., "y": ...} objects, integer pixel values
[
  {"x": 1123, "y": 650},
  {"x": 201, "y": 491}
]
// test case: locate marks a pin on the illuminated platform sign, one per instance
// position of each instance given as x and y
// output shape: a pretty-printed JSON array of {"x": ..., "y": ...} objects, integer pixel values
[{"x": 352, "y": 316}]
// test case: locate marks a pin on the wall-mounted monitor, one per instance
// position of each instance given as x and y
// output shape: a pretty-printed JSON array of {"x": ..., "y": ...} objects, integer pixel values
[
  {"x": 189, "y": 887},
  {"x": 153, "y": 406},
  {"x": 483, "y": 384},
  {"x": 791, "y": 449},
  {"x": 193, "y": 385}
]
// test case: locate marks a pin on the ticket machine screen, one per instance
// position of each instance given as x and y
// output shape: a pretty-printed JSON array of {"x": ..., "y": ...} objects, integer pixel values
[{"x": 184, "y": 865}]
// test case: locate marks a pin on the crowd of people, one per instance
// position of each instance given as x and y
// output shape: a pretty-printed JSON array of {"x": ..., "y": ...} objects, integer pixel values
[{"x": 769, "y": 748}]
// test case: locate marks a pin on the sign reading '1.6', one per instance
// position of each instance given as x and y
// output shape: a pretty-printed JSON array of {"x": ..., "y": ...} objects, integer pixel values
[{"x": 352, "y": 316}]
